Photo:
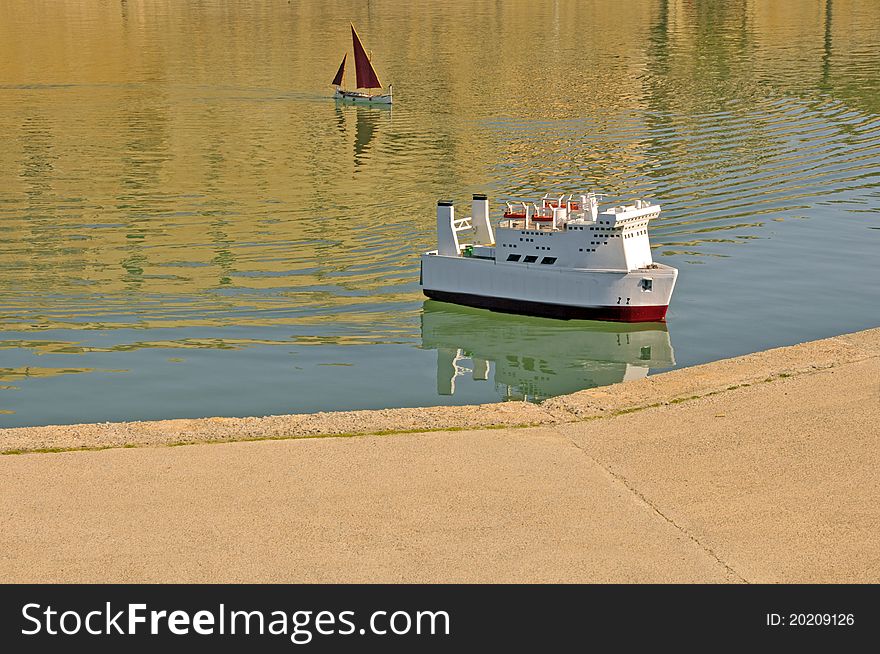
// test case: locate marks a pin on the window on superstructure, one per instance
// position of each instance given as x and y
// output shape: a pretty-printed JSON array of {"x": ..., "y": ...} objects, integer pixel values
[
  {"x": 548, "y": 260},
  {"x": 513, "y": 257},
  {"x": 530, "y": 259}
]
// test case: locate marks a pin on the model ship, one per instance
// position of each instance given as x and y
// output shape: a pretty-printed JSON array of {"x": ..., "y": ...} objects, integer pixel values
[
  {"x": 562, "y": 258},
  {"x": 365, "y": 74}
]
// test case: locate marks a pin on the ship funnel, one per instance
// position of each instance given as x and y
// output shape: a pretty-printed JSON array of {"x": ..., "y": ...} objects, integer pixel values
[
  {"x": 447, "y": 239},
  {"x": 594, "y": 206},
  {"x": 559, "y": 216},
  {"x": 480, "y": 220}
]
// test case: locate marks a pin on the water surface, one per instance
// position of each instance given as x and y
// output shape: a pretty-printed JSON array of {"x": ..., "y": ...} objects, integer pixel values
[{"x": 189, "y": 226}]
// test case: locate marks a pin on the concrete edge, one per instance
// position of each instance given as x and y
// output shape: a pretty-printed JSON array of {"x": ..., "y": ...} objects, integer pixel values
[
  {"x": 667, "y": 388},
  {"x": 719, "y": 376}
]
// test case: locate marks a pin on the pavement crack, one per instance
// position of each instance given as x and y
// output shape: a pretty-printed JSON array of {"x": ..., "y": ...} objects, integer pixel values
[{"x": 632, "y": 489}]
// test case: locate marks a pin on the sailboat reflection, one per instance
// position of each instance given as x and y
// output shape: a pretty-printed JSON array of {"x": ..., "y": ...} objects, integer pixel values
[
  {"x": 367, "y": 121},
  {"x": 537, "y": 358}
]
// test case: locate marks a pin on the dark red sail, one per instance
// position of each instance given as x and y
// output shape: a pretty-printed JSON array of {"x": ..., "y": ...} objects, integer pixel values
[
  {"x": 337, "y": 81},
  {"x": 366, "y": 75}
]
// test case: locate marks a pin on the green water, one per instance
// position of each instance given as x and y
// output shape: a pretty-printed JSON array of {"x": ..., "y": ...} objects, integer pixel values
[{"x": 189, "y": 226}]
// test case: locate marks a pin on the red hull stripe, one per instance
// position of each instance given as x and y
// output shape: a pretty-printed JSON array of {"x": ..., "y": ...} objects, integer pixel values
[{"x": 506, "y": 305}]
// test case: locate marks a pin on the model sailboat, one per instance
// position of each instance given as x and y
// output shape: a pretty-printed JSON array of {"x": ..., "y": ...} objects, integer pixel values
[{"x": 366, "y": 77}]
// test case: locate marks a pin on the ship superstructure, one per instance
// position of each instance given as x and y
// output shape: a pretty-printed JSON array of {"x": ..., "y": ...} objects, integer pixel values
[{"x": 563, "y": 257}]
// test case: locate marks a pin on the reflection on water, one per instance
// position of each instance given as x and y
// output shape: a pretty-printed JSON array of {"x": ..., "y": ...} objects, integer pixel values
[
  {"x": 536, "y": 358},
  {"x": 367, "y": 121},
  {"x": 186, "y": 213}
]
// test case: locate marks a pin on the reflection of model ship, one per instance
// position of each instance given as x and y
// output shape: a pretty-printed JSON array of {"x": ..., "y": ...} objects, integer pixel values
[{"x": 535, "y": 358}]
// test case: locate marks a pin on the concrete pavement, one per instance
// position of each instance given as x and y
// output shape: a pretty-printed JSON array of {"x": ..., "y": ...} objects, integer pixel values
[{"x": 760, "y": 468}]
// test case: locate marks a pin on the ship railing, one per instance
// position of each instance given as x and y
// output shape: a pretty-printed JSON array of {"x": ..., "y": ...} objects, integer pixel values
[{"x": 519, "y": 223}]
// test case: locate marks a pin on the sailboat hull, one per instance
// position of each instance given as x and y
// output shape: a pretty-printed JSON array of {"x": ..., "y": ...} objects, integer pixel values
[{"x": 355, "y": 97}]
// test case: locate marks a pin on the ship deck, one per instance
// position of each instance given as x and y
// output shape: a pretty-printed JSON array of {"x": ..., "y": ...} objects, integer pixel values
[{"x": 535, "y": 225}]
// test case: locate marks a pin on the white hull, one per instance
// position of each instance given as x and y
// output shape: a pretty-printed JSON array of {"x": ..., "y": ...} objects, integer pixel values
[
  {"x": 542, "y": 290},
  {"x": 355, "y": 97}
]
